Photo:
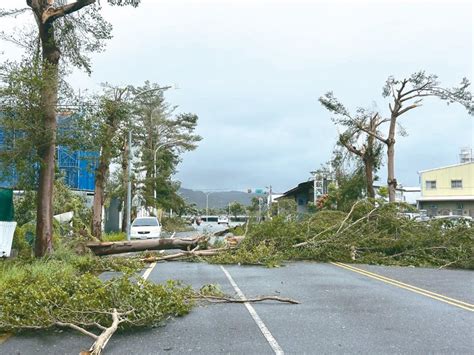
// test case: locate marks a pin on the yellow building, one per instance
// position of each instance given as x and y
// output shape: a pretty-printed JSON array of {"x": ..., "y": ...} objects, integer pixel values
[{"x": 448, "y": 190}]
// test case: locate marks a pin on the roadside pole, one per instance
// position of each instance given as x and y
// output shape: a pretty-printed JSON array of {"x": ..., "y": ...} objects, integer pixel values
[{"x": 129, "y": 184}]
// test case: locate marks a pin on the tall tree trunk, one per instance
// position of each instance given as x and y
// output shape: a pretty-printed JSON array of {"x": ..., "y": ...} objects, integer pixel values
[
  {"x": 391, "y": 181},
  {"x": 369, "y": 176},
  {"x": 370, "y": 158},
  {"x": 46, "y": 152},
  {"x": 99, "y": 195},
  {"x": 390, "y": 142}
]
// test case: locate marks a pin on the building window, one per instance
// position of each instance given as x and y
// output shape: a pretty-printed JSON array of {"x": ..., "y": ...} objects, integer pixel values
[
  {"x": 430, "y": 184},
  {"x": 456, "y": 184}
]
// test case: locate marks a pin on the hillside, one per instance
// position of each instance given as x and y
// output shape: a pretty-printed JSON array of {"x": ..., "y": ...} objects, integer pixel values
[{"x": 218, "y": 199}]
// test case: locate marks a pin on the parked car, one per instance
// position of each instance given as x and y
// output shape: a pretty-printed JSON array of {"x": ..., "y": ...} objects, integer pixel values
[
  {"x": 222, "y": 220},
  {"x": 454, "y": 221},
  {"x": 421, "y": 218},
  {"x": 145, "y": 228}
]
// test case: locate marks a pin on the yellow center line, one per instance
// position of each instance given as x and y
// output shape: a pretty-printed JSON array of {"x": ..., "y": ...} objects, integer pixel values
[
  {"x": 445, "y": 299},
  {"x": 407, "y": 285}
]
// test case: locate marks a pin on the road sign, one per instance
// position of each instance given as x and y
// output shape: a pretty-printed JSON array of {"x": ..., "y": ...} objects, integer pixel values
[{"x": 258, "y": 191}]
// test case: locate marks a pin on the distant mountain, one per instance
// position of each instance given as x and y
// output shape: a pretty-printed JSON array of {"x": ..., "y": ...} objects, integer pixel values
[{"x": 218, "y": 199}]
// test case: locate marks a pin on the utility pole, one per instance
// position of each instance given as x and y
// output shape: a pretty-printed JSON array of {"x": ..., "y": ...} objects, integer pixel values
[
  {"x": 129, "y": 184},
  {"x": 207, "y": 205},
  {"x": 270, "y": 202}
]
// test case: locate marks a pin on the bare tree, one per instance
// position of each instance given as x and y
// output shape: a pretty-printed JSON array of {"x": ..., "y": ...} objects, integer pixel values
[
  {"x": 405, "y": 95},
  {"x": 355, "y": 140}
]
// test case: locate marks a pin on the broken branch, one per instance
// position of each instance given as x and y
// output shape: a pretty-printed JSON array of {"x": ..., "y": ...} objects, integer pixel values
[{"x": 224, "y": 299}]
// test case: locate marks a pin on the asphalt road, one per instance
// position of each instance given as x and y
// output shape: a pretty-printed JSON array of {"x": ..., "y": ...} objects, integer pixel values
[{"x": 342, "y": 310}]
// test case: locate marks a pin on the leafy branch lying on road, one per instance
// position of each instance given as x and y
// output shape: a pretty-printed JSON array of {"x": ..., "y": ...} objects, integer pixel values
[{"x": 62, "y": 292}]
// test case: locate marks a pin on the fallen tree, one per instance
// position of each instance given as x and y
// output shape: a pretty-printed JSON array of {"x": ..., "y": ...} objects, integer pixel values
[
  {"x": 109, "y": 248},
  {"x": 48, "y": 294},
  {"x": 371, "y": 232}
]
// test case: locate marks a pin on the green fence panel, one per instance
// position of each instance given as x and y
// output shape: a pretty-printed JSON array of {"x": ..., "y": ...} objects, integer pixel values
[{"x": 6, "y": 205}]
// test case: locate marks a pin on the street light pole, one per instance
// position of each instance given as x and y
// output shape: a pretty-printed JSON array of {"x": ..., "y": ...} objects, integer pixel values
[
  {"x": 270, "y": 202},
  {"x": 314, "y": 186},
  {"x": 207, "y": 205},
  {"x": 129, "y": 184}
]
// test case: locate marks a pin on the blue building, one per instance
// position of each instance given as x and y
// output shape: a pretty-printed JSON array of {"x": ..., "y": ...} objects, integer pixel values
[{"x": 77, "y": 167}]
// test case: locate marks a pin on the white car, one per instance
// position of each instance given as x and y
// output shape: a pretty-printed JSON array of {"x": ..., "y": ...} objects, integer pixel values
[
  {"x": 145, "y": 228},
  {"x": 223, "y": 220}
]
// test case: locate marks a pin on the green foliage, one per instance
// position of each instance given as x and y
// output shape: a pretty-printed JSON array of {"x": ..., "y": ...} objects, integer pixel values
[
  {"x": 285, "y": 207},
  {"x": 20, "y": 241},
  {"x": 162, "y": 137},
  {"x": 175, "y": 224},
  {"x": 63, "y": 287},
  {"x": 374, "y": 232},
  {"x": 383, "y": 191},
  {"x": 211, "y": 290},
  {"x": 114, "y": 237},
  {"x": 42, "y": 293},
  {"x": 264, "y": 253},
  {"x": 350, "y": 188},
  {"x": 21, "y": 116},
  {"x": 64, "y": 200},
  {"x": 25, "y": 207},
  {"x": 236, "y": 208}
]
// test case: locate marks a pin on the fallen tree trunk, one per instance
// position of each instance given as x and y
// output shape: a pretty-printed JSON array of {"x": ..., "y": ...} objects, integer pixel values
[
  {"x": 108, "y": 248},
  {"x": 232, "y": 243}
]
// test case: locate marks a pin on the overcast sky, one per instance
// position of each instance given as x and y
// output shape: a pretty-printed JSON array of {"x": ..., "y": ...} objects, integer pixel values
[{"x": 253, "y": 71}]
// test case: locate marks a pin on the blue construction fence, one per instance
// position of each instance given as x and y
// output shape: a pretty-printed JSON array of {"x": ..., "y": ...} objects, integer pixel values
[{"x": 77, "y": 166}]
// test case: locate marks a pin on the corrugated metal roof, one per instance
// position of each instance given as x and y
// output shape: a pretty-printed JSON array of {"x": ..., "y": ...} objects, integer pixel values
[{"x": 302, "y": 186}]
